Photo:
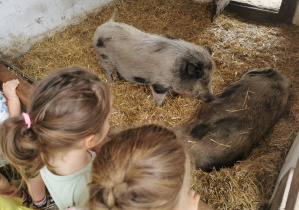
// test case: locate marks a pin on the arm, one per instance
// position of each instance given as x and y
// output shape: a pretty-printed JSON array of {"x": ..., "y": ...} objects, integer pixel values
[
  {"x": 37, "y": 188},
  {"x": 13, "y": 101}
]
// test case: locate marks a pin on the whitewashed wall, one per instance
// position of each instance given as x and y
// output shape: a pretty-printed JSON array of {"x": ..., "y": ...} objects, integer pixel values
[{"x": 26, "y": 22}]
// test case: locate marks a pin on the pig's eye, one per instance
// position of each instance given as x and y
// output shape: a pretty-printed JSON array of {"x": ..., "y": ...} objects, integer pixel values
[
  {"x": 190, "y": 68},
  {"x": 191, "y": 71},
  {"x": 197, "y": 70}
]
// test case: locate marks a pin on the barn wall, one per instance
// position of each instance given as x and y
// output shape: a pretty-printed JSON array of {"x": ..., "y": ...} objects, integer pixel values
[{"x": 26, "y": 22}]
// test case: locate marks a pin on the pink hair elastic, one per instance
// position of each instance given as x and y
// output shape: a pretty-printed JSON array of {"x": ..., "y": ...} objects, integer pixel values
[{"x": 27, "y": 119}]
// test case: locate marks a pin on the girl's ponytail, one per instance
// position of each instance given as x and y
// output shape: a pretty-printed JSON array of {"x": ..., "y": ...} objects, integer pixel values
[{"x": 20, "y": 146}]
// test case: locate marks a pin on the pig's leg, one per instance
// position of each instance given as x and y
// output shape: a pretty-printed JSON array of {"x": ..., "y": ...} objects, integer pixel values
[
  {"x": 107, "y": 66},
  {"x": 159, "y": 92},
  {"x": 109, "y": 74}
]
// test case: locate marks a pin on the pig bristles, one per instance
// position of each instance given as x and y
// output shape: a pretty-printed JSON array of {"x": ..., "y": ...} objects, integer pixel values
[{"x": 224, "y": 145}]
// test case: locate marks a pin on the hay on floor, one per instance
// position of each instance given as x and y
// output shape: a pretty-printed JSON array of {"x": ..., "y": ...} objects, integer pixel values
[{"x": 238, "y": 45}]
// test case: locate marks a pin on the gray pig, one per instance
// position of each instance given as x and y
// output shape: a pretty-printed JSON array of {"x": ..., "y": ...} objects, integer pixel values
[
  {"x": 226, "y": 129},
  {"x": 163, "y": 63}
]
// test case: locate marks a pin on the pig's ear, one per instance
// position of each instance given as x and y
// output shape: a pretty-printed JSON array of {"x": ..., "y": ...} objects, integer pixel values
[
  {"x": 196, "y": 70},
  {"x": 265, "y": 72},
  {"x": 208, "y": 49}
]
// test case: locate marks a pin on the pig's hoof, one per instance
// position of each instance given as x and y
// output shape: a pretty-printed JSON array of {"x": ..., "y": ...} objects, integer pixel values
[{"x": 159, "y": 104}]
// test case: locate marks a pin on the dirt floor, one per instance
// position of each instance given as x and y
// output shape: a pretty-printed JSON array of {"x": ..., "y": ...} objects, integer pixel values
[{"x": 238, "y": 45}]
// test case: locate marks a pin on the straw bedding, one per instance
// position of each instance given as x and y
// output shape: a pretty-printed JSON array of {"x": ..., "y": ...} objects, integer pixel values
[{"x": 238, "y": 45}]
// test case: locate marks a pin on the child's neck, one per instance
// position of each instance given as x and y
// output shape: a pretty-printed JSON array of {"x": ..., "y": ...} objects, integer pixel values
[{"x": 74, "y": 160}]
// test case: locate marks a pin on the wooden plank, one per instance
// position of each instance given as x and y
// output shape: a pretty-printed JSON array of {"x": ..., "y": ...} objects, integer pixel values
[
  {"x": 293, "y": 197},
  {"x": 218, "y": 7},
  {"x": 23, "y": 90},
  {"x": 30, "y": 79},
  {"x": 255, "y": 6},
  {"x": 252, "y": 12}
]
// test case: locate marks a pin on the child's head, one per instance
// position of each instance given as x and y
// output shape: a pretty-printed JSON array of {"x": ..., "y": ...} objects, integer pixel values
[
  {"x": 65, "y": 107},
  {"x": 141, "y": 168}
]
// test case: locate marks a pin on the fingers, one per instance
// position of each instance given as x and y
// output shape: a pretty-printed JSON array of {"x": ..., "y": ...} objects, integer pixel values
[
  {"x": 193, "y": 195},
  {"x": 12, "y": 84},
  {"x": 193, "y": 200},
  {"x": 9, "y": 89}
]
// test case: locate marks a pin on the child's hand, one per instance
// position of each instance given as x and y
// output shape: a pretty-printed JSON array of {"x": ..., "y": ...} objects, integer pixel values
[
  {"x": 9, "y": 89},
  {"x": 193, "y": 200}
]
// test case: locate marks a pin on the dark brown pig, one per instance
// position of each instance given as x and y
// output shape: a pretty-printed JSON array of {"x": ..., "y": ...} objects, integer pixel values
[
  {"x": 163, "y": 63},
  {"x": 226, "y": 129}
]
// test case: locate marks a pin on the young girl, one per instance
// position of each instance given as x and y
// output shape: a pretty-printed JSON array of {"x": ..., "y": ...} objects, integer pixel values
[
  {"x": 142, "y": 168},
  {"x": 9, "y": 107},
  {"x": 67, "y": 115}
]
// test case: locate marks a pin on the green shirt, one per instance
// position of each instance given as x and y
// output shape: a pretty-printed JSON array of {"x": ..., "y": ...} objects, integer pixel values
[{"x": 69, "y": 190}]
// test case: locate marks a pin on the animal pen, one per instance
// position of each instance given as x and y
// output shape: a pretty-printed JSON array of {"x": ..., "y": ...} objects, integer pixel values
[{"x": 238, "y": 45}]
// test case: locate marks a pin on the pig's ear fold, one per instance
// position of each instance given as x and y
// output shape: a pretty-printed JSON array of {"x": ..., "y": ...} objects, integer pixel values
[
  {"x": 195, "y": 70},
  {"x": 208, "y": 49},
  {"x": 266, "y": 72}
]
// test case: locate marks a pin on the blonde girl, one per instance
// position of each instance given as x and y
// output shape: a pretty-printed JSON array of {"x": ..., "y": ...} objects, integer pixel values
[
  {"x": 140, "y": 169},
  {"x": 67, "y": 115}
]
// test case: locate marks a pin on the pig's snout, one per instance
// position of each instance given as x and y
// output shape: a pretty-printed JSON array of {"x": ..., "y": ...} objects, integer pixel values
[{"x": 207, "y": 98}]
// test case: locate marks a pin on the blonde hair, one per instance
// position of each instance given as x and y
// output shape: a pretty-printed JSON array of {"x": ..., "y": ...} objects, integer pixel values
[
  {"x": 65, "y": 107},
  {"x": 141, "y": 168}
]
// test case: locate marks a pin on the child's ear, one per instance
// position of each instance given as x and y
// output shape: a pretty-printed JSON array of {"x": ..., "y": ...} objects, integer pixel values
[
  {"x": 90, "y": 141},
  {"x": 97, "y": 147}
]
